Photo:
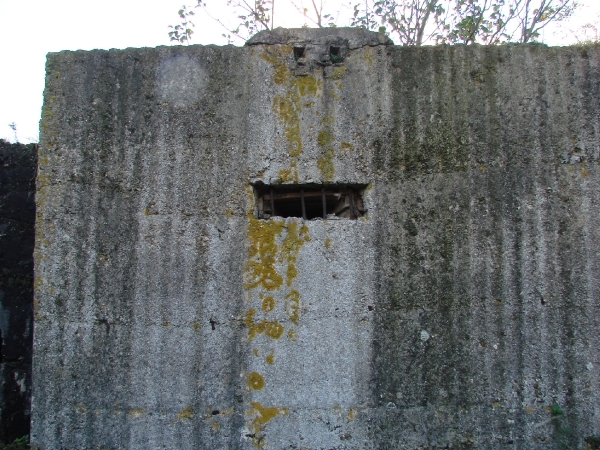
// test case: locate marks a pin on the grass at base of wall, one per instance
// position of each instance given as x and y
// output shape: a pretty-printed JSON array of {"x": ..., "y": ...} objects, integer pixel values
[{"x": 18, "y": 444}]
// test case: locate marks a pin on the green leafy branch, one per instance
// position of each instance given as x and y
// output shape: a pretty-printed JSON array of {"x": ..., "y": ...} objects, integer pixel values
[{"x": 408, "y": 22}]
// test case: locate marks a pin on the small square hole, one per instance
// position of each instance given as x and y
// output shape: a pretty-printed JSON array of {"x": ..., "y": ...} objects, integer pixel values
[
  {"x": 335, "y": 54},
  {"x": 299, "y": 52}
]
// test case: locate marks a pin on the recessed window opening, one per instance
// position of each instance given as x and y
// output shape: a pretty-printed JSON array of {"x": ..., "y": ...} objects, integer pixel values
[
  {"x": 335, "y": 54},
  {"x": 310, "y": 201},
  {"x": 299, "y": 53}
]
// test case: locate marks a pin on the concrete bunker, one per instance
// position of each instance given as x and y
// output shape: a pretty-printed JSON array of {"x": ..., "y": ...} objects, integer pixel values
[{"x": 418, "y": 326}]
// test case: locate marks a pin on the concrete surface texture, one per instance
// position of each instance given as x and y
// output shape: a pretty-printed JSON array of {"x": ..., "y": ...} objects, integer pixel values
[
  {"x": 17, "y": 219},
  {"x": 461, "y": 311}
]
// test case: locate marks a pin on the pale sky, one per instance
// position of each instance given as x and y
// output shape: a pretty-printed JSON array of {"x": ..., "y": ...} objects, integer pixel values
[{"x": 29, "y": 29}]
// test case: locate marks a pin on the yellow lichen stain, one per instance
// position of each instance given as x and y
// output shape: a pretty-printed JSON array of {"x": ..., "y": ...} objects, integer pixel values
[
  {"x": 280, "y": 73},
  {"x": 528, "y": 409},
  {"x": 260, "y": 415},
  {"x": 346, "y": 146},
  {"x": 215, "y": 425},
  {"x": 228, "y": 212},
  {"x": 290, "y": 174},
  {"x": 36, "y": 313},
  {"x": 367, "y": 55},
  {"x": 325, "y": 164},
  {"x": 270, "y": 251},
  {"x": 286, "y": 107},
  {"x": 272, "y": 329},
  {"x": 292, "y": 307},
  {"x": 135, "y": 412},
  {"x": 275, "y": 54},
  {"x": 327, "y": 242},
  {"x": 42, "y": 230},
  {"x": 307, "y": 85},
  {"x": 268, "y": 304},
  {"x": 351, "y": 414},
  {"x": 261, "y": 236},
  {"x": 496, "y": 404},
  {"x": 327, "y": 120},
  {"x": 285, "y": 175},
  {"x": 195, "y": 326},
  {"x": 337, "y": 73},
  {"x": 584, "y": 171},
  {"x": 253, "y": 327},
  {"x": 37, "y": 282},
  {"x": 294, "y": 240},
  {"x": 325, "y": 137},
  {"x": 255, "y": 381},
  {"x": 292, "y": 335},
  {"x": 186, "y": 413},
  {"x": 43, "y": 159},
  {"x": 291, "y": 273},
  {"x": 269, "y": 359}
]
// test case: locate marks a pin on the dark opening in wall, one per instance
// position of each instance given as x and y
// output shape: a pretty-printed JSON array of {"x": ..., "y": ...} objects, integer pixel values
[
  {"x": 310, "y": 201},
  {"x": 335, "y": 54},
  {"x": 299, "y": 53}
]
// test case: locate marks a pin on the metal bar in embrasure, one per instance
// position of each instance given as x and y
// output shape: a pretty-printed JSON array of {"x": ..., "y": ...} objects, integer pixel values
[
  {"x": 324, "y": 203},
  {"x": 303, "y": 206},
  {"x": 351, "y": 194},
  {"x": 272, "y": 204}
]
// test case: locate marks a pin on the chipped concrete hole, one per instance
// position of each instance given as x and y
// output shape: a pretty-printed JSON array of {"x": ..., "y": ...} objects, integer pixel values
[
  {"x": 310, "y": 202},
  {"x": 309, "y": 56},
  {"x": 299, "y": 52},
  {"x": 335, "y": 54}
]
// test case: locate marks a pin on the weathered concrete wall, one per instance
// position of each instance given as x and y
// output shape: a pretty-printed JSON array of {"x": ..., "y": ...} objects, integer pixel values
[
  {"x": 461, "y": 312},
  {"x": 17, "y": 218}
]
